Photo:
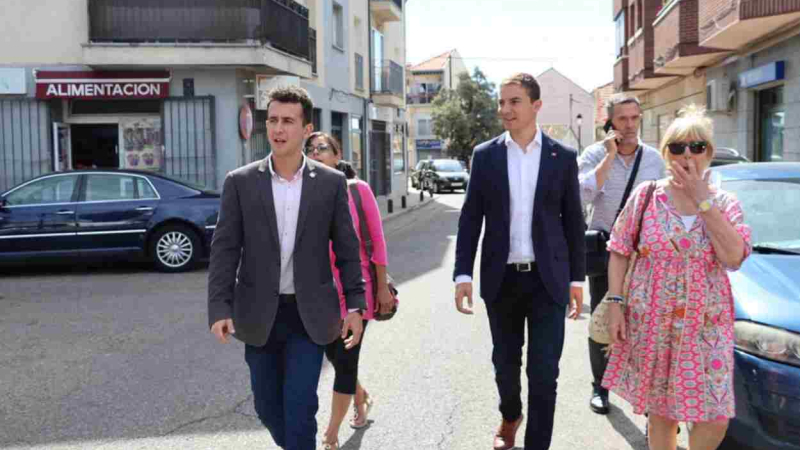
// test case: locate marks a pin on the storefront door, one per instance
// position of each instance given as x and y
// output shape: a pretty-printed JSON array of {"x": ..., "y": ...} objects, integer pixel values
[
  {"x": 95, "y": 146},
  {"x": 771, "y": 123},
  {"x": 62, "y": 147}
]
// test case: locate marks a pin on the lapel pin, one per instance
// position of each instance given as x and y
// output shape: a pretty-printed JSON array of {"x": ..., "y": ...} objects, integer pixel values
[{"x": 312, "y": 174}]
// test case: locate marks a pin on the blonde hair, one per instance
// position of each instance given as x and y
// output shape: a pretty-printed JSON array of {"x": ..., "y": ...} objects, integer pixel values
[{"x": 692, "y": 122}]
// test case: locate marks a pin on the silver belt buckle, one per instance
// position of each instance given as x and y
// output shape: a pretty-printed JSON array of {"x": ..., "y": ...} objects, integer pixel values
[{"x": 524, "y": 267}]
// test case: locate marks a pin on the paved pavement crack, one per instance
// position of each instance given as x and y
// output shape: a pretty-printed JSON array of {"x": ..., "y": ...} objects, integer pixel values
[
  {"x": 227, "y": 412},
  {"x": 449, "y": 430}
]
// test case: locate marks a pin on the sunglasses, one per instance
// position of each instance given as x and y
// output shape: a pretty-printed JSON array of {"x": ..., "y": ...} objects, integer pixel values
[
  {"x": 696, "y": 147},
  {"x": 319, "y": 148}
]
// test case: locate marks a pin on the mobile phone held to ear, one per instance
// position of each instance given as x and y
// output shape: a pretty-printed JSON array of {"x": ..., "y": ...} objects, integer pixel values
[{"x": 608, "y": 127}]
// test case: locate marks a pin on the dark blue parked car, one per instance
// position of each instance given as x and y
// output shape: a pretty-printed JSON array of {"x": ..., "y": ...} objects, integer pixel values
[
  {"x": 766, "y": 291},
  {"x": 96, "y": 213}
]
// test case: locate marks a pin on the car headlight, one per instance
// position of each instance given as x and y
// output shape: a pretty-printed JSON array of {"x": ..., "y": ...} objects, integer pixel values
[{"x": 768, "y": 342}]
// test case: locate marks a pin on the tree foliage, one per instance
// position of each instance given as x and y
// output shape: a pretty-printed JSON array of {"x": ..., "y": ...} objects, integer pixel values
[{"x": 466, "y": 116}]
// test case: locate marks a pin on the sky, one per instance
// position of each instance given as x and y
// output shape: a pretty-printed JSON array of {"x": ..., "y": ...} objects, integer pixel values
[{"x": 576, "y": 37}]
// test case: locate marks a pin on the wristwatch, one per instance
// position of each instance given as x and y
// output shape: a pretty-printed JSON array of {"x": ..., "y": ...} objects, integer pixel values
[{"x": 706, "y": 204}]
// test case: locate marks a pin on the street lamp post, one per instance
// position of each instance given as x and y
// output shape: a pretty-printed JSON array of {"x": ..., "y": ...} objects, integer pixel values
[{"x": 579, "y": 121}]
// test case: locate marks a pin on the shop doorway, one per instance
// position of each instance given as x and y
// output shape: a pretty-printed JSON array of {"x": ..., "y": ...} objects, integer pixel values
[
  {"x": 771, "y": 110},
  {"x": 95, "y": 146}
]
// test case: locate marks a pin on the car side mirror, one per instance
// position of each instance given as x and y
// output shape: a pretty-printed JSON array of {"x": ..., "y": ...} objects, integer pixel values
[{"x": 3, "y": 203}]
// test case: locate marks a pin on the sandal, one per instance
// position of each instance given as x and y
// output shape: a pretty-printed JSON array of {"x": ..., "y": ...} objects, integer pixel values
[
  {"x": 357, "y": 422},
  {"x": 330, "y": 446}
]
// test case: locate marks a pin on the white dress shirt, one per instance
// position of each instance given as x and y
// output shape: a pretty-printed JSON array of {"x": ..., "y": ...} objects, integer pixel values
[
  {"x": 523, "y": 176},
  {"x": 286, "y": 197}
]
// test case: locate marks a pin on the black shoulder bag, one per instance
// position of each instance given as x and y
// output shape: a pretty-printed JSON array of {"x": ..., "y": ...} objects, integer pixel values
[{"x": 596, "y": 251}]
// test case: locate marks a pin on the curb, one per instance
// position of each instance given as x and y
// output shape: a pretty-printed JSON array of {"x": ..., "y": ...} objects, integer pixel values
[{"x": 402, "y": 212}]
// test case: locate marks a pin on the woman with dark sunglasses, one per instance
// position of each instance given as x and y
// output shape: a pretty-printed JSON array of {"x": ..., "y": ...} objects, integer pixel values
[
  {"x": 672, "y": 344},
  {"x": 325, "y": 148}
]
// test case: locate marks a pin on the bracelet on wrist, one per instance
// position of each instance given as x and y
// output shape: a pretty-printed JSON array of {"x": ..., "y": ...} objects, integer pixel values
[{"x": 614, "y": 299}]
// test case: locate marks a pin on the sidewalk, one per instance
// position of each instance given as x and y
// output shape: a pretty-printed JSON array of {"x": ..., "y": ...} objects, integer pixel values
[{"x": 412, "y": 203}]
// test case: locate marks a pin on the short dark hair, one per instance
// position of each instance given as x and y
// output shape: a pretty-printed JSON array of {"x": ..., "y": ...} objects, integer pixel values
[
  {"x": 293, "y": 94},
  {"x": 527, "y": 81}
]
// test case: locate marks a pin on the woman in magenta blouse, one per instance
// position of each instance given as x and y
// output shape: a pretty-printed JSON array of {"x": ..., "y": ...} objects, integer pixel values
[{"x": 325, "y": 148}]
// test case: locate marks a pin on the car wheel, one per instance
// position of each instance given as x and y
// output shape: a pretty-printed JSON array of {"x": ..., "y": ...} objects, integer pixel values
[{"x": 174, "y": 248}]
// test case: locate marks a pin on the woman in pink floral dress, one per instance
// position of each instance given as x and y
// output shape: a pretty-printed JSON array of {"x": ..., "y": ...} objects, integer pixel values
[{"x": 672, "y": 346}]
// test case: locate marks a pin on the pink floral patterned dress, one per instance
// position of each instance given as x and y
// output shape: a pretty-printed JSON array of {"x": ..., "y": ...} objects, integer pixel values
[{"x": 677, "y": 359}]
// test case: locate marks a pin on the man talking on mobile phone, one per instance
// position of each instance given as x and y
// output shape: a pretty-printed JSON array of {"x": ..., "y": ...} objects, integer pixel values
[{"x": 607, "y": 171}]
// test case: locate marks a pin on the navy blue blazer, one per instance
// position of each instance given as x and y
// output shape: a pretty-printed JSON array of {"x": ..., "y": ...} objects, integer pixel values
[{"x": 557, "y": 228}]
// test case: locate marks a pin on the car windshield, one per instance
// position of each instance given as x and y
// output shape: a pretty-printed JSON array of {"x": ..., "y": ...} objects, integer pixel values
[
  {"x": 448, "y": 166},
  {"x": 771, "y": 207}
]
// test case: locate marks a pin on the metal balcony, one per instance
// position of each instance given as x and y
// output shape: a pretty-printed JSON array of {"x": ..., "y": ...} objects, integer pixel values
[{"x": 281, "y": 23}]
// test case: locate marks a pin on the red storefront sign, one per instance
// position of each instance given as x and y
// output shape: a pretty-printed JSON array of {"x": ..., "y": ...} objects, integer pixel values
[{"x": 102, "y": 85}]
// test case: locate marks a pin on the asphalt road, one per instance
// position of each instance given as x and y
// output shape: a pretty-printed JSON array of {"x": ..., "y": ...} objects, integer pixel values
[{"x": 121, "y": 358}]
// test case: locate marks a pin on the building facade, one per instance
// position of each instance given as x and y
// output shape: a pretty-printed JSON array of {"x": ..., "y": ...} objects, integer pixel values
[
  {"x": 425, "y": 80},
  {"x": 139, "y": 87},
  {"x": 568, "y": 110},
  {"x": 357, "y": 86},
  {"x": 738, "y": 59},
  {"x": 179, "y": 87}
]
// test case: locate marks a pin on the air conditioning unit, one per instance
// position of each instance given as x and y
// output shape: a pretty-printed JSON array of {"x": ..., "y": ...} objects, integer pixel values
[{"x": 717, "y": 95}]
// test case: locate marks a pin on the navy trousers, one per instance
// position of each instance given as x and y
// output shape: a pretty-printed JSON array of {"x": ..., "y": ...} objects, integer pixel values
[
  {"x": 522, "y": 298},
  {"x": 284, "y": 375}
]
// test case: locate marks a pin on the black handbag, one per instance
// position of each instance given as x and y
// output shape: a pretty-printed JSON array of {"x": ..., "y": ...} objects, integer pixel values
[
  {"x": 596, "y": 251},
  {"x": 365, "y": 236}
]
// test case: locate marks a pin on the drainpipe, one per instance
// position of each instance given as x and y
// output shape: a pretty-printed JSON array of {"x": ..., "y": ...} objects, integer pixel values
[{"x": 365, "y": 126}]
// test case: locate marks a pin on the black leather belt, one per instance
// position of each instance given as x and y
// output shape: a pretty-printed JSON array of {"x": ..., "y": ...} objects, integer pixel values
[
  {"x": 287, "y": 298},
  {"x": 522, "y": 267}
]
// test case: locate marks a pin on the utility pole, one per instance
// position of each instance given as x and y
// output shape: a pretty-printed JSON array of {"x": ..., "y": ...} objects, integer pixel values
[
  {"x": 570, "y": 115},
  {"x": 450, "y": 63}
]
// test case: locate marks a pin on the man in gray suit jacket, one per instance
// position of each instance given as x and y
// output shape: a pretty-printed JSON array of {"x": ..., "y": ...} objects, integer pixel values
[{"x": 270, "y": 282}]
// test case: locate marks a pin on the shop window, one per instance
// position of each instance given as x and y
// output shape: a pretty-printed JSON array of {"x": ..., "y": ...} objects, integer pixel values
[
  {"x": 316, "y": 119},
  {"x": 337, "y": 129}
]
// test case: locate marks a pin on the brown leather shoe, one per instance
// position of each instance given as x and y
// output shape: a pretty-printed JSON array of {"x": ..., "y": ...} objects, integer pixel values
[{"x": 506, "y": 434}]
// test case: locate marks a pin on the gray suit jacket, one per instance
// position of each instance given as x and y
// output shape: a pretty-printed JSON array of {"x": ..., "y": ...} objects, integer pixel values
[{"x": 244, "y": 274}]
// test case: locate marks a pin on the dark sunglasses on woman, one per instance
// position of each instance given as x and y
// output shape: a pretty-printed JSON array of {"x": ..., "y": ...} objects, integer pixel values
[
  {"x": 696, "y": 147},
  {"x": 319, "y": 148}
]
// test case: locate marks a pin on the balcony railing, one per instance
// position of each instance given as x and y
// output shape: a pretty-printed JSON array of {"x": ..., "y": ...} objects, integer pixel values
[
  {"x": 421, "y": 99},
  {"x": 282, "y": 23},
  {"x": 388, "y": 78},
  {"x": 312, "y": 49}
]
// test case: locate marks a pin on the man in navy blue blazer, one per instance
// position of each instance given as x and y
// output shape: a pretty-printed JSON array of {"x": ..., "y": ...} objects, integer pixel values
[{"x": 524, "y": 185}]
